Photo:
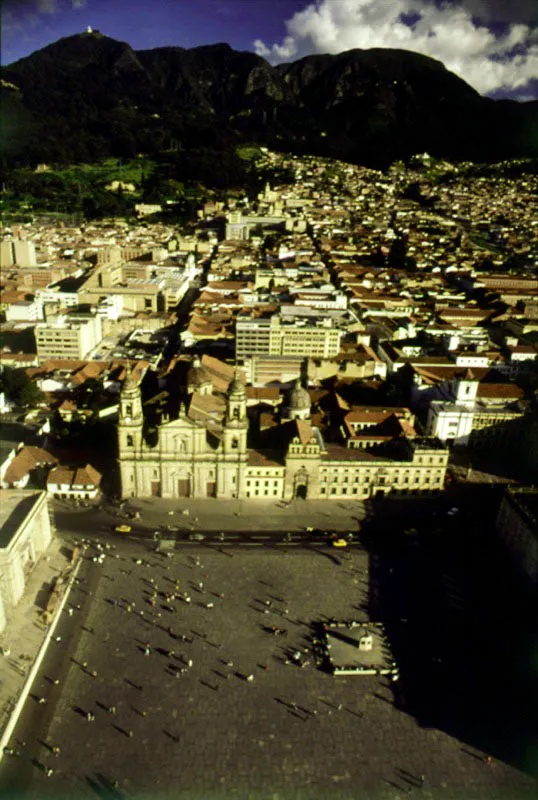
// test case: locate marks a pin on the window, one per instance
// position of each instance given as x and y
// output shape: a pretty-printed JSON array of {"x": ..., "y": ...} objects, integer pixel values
[
  {"x": 130, "y": 441},
  {"x": 129, "y": 410},
  {"x": 235, "y": 444}
]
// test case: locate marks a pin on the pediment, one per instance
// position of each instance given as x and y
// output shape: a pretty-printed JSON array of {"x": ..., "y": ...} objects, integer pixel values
[{"x": 180, "y": 424}]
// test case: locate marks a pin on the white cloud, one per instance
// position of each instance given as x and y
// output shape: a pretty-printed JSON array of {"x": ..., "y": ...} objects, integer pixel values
[{"x": 448, "y": 31}]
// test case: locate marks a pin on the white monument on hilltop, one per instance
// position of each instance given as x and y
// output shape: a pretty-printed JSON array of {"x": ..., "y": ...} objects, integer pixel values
[{"x": 89, "y": 29}]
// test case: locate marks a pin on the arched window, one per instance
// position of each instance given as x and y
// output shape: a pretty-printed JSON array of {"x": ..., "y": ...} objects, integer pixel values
[
  {"x": 235, "y": 414},
  {"x": 130, "y": 440},
  {"x": 235, "y": 444},
  {"x": 128, "y": 410}
]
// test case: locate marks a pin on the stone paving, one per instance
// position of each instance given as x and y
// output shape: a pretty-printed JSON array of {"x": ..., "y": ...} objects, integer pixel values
[
  {"x": 230, "y": 515},
  {"x": 208, "y": 731}
]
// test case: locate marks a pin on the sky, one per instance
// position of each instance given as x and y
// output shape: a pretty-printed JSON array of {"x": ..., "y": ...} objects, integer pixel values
[{"x": 491, "y": 44}]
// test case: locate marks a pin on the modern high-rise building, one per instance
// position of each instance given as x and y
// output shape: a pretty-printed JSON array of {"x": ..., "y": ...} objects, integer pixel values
[
  {"x": 315, "y": 337},
  {"x": 17, "y": 252},
  {"x": 68, "y": 336}
]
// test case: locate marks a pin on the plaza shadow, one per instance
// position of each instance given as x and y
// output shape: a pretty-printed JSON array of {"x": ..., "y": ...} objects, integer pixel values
[{"x": 462, "y": 627}]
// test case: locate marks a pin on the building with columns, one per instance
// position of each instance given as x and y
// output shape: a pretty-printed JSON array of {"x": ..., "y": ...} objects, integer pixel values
[
  {"x": 207, "y": 445},
  {"x": 25, "y": 533}
]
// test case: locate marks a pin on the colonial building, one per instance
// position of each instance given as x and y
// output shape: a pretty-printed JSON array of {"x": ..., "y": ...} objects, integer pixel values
[
  {"x": 474, "y": 413},
  {"x": 210, "y": 447},
  {"x": 25, "y": 533}
]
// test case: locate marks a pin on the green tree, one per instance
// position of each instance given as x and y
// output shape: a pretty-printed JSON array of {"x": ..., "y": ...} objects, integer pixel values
[{"x": 18, "y": 387}]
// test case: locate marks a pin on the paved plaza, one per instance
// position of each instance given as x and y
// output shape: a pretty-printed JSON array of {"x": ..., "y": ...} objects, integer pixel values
[{"x": 195, "y": 699}]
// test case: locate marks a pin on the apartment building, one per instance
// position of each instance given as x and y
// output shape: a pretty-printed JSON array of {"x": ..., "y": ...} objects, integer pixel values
[
  {"x": 72, "y": 336},
  {"x": 315, "y": 337},
  {"x": 19, "y": 252}
]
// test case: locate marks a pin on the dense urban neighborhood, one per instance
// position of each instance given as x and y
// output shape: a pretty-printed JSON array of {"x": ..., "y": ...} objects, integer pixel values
[{"x": 342, "y": 362}]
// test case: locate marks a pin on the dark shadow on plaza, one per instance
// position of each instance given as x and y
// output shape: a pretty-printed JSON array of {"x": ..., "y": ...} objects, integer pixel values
[{"x": 461, "y": 629}]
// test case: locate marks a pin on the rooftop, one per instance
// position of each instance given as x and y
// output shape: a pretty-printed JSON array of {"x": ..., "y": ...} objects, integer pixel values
[{"x": 15, "y": 505}]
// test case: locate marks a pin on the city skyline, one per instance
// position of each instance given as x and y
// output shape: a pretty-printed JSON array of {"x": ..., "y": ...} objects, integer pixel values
[{"x": 493, "y": 47}]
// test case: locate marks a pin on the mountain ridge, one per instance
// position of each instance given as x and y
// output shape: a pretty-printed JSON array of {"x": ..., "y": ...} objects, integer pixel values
[{"x": 88, "y": 96}]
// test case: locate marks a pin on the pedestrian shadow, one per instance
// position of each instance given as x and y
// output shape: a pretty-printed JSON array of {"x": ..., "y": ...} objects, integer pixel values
[
  {"x": 132, "y": 684},
  {"x": 104, "y": 788},
  {"x": 395, "y": 785},
  {"x": 384, "y": 699},
  {"x": 470, "y": 753},
  {"x": 209, "y": 685},
  {"x": 121, "y": 730},
  {"x": 410, "y": 778},
  {"x": 38, "y": 764}
]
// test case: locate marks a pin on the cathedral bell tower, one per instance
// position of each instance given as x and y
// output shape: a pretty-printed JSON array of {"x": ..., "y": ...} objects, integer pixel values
[
  {"x": 235, "y": 421},
  {"x": 131, "y": 417}
]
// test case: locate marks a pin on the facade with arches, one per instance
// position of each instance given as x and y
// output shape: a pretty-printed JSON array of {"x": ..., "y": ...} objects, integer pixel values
[{"x": 191, "y": 455}]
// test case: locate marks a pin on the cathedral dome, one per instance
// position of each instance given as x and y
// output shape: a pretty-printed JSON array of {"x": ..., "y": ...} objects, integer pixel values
[{"x": 299, "y": 399}]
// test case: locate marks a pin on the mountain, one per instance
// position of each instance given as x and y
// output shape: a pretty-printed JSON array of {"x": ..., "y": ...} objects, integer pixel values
[{"x": 88, "y": 96}]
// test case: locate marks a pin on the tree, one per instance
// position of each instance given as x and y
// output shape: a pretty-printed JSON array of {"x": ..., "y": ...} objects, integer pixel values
[{"x": 18, "y": 387}]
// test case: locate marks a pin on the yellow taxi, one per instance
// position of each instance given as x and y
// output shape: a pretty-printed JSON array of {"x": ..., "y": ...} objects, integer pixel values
[
  {"x": 339, "y": 543},
  {"x": 123, "y": 529}
]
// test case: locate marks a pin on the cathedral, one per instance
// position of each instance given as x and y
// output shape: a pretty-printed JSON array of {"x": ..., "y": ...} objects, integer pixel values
[{"x": 209, "y": 446}]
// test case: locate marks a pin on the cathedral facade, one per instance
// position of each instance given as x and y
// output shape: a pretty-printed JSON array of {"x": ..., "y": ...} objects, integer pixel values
[{"x": 208, "y": 454}]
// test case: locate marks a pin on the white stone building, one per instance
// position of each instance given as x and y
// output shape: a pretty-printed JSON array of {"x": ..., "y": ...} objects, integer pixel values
[
  {"x": 25, "y": 533},
  {"x": 203, "y": 450}
]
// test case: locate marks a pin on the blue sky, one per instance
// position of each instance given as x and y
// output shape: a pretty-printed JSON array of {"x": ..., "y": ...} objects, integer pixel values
[{"x": 492, "y": 44}]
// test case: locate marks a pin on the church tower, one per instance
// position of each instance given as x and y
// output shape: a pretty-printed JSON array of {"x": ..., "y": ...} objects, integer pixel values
[
  {"x": 233, "y": 458},
  {"x": 465, "y": 389},
  {"x": 131, "y": 418},
  {"x": 235, "y": 420}
]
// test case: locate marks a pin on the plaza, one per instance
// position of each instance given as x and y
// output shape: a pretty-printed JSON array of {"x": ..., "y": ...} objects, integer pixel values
[{"x": 206, "y": 700}]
